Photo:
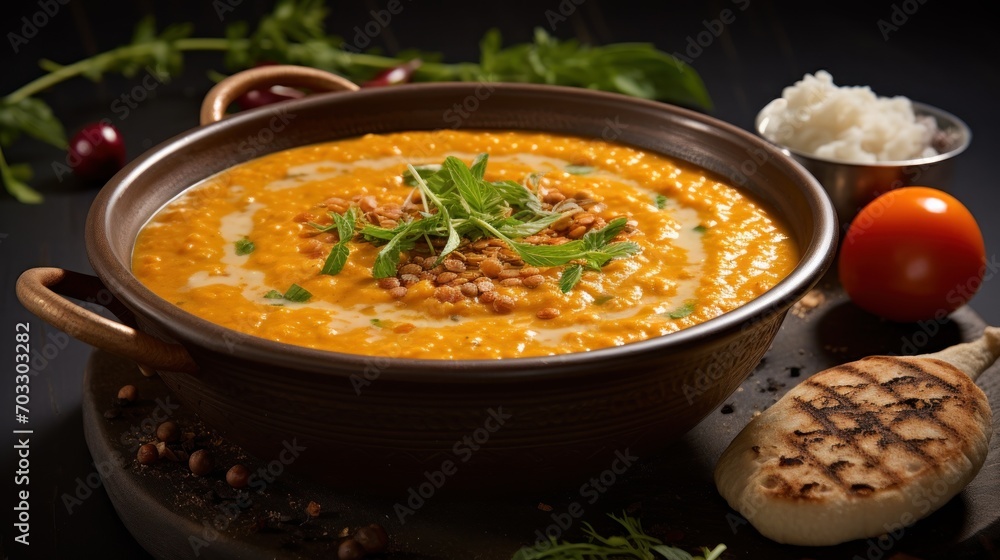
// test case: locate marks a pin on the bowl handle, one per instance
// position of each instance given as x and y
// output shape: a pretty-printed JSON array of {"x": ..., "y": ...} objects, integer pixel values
[
  {"x": 41, "y": 290},
  {"x": 213, "y": 108}
]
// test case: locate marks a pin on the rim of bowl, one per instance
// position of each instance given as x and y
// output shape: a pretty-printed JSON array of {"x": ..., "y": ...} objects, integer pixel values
[
  {"x": 816, "y": 257},
  {"x": 919, "y": 109}
]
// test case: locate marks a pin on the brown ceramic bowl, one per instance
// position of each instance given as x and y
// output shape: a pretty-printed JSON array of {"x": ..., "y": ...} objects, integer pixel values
[{"x": 385, "y": 424}]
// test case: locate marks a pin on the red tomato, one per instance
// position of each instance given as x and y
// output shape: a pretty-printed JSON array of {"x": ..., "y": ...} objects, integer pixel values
[{"x": 912, "y": 254}]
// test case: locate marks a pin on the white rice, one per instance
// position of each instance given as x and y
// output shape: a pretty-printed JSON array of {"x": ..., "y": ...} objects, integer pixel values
[{"x": 851, "y": 124}]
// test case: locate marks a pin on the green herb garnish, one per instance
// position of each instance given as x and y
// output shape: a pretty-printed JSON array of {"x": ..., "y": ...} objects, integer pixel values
[
  {"x": 603, "y": 298},
  {"x": 460, "y": 203},
  {"x": 244, "y": 247},
  {"x": 700, "y": 229},
  {"x": 636, "y": 545},
  {"x": 660, "y": 201},
  {"x": 297, "y": 293},
  {"x": 344, "y": 224},
  {"x": 682, "y": 311},
  {"x": 294, "y": 293},
  {"x": 579, "y": 169},
  {"x": 293, "y": 33}
]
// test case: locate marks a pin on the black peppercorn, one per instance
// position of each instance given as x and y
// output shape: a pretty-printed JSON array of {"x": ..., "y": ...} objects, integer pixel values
[
  {"x": 168, "y": 432},
  {"x": 127, "y": 394},
  {"x": 373, "y": 538},
  {"x": 201, "y": 462},
  {"x": 350, "y": 550},
  {"x": 147, "y": 454},
  {"x": 238, "y": 476}
]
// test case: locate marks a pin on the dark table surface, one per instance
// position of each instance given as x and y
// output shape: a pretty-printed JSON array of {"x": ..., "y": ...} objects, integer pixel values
[{"x": 939, "y": 53}]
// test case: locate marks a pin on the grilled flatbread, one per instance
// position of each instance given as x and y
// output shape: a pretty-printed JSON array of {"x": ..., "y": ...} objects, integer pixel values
[{"x": 864, "y": 448}]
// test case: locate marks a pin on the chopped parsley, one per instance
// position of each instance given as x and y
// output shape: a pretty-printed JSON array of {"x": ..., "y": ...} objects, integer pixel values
[{"x": 244, "y": 247}]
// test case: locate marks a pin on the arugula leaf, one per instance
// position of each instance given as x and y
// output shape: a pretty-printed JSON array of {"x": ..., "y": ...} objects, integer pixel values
[
  {"x": 32, "y": 117},
  {"x": 15, "y": 186},
  {"x": 244, "y": 247},
  {"x": 635, "y": 544},
  {"x": 293, "y": 33}
]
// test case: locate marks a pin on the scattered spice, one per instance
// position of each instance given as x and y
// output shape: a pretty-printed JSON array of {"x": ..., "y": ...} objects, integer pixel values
[
  {"x": 813, "y": 299},
  {"x": 313, "y": 509}
]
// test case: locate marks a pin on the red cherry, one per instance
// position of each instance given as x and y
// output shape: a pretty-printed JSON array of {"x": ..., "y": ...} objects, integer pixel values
[{"x": 96, "y": 152}]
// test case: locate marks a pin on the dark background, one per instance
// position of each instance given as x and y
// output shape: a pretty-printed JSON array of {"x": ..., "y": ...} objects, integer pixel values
[{"x": 941, "y": 55}]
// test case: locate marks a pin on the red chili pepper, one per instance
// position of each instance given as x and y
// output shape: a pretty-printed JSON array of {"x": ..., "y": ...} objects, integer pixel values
[{"x": 394, "y": 76}]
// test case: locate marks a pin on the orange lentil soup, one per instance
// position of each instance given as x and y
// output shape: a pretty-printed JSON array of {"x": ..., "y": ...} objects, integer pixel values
[{"x": 229, "y": 248}]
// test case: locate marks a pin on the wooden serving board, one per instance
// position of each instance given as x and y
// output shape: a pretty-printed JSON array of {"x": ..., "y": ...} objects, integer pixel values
[{"x": 175, "y": 515}]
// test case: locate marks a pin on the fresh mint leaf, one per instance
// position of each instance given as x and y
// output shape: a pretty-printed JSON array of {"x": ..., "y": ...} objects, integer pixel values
[
  {"x": 579, "y": 169},
  {"x": 477, "y": 195},
  {"x": 424, "y": 171},
  {"x": 297, "y": 293},
  {"x": 345, "y": 224},
  {"x": 336, "y": 260},
  {"x": 478, "y": 167},
  {"x": 597, "y": 238},
  {"x": 571, "y": 275},
  {"x": 682, "y": 311}
]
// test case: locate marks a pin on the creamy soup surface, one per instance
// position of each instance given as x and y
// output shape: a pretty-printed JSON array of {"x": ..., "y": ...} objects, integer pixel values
[{"x": 246, "y": 249}]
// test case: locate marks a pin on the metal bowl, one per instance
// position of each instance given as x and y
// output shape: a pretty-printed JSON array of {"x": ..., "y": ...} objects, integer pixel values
[
  {"x": 852, "y": 186},
  {"x": 389, "y": 424}
]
